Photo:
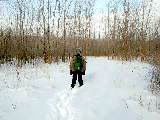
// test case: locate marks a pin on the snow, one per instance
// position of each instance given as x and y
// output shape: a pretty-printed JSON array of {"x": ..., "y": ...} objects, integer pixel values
[{"x": 113, "y": 90}]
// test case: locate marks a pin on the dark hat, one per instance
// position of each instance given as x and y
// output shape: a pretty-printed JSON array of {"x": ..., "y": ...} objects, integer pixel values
[{"x": 78, "y": 50}]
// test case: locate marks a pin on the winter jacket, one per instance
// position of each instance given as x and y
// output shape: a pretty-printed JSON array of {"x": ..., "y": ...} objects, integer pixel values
[{"x": 72, "y": 64}]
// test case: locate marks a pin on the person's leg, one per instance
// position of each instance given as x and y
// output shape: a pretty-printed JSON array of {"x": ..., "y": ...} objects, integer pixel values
[
  {"x": 80, "y": 79},
  {"x": 74, "y": 79}
]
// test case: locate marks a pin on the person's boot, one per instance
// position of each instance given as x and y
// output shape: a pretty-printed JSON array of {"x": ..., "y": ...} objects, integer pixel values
[
  {"x": 72, "y": 86},
  {"x": 80, "y": 85}
]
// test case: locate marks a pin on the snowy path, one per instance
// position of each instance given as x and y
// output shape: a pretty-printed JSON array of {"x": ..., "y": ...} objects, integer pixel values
[
  {"x": 64, "y": 106},
  {"x": 64, "y": 109},
  {"x": 112, "y": 90}
]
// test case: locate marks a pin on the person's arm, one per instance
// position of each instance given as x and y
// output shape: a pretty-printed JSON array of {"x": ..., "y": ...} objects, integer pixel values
[
  {"x": 84, "y": 67},
  {"x": 71, "y": 66}
]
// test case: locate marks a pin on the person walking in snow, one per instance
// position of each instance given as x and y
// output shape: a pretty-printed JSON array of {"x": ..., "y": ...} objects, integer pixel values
[{"x": 77, "y": 68}]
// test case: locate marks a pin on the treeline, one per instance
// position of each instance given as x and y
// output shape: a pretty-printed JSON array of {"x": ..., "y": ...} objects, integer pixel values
[
  {"x": 33, "y": 47},
  {"x": 53, "y": 29}
]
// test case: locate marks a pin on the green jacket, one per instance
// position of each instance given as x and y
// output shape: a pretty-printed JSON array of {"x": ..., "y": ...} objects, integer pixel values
[{"x": 73, "y": 61}]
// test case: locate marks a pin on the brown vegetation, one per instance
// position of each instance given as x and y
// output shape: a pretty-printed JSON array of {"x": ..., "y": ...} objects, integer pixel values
[{"x": 127, "y": 31}]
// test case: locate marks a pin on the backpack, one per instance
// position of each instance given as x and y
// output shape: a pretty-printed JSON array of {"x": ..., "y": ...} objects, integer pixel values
[{"x": 78, "y": 63}]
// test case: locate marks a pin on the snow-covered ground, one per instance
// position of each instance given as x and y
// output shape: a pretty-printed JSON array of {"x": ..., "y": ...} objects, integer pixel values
[{"x": 113, "y": 90}]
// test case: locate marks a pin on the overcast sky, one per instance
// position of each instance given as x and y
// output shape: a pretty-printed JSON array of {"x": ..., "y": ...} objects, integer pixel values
[{"x": 99, "y": 5}]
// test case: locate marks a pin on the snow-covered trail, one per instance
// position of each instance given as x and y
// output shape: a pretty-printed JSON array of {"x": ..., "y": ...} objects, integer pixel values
[
  {"x": 112, "y": 90},
  {"x": 63, "y": 105}
]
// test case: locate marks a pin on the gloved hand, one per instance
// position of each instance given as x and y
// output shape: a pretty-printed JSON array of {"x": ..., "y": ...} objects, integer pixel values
[
  {"x": 83, "y": 73},
  {"x": 71, "y": 72}
]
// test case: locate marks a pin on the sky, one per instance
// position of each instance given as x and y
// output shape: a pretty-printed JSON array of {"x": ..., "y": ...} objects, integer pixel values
[
  {"x": 3, "y": 9},
  {"x": 3, "y": 5},
  {"x": 99, "y": 6}
]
